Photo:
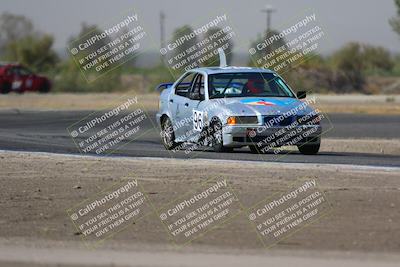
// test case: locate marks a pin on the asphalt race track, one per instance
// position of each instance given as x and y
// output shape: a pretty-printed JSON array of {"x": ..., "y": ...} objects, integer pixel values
[{"x": 45, "y": 131}]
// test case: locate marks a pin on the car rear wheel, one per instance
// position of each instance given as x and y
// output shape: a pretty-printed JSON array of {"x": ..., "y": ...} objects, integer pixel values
[
  {"x": 168, "y": 135},
  {"x": 216, "y": 136},
  {"x": 309, "y": 149}
]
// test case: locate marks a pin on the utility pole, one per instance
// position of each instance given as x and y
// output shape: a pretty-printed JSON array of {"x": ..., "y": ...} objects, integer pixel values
[
  {"x": 268, "y": 10},
  {"x": 162, "y": 29}
]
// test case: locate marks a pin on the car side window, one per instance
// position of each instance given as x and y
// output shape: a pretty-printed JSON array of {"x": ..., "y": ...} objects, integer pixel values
[
  {"x": 13, "y": 71},
  {"x": 183, "y": 87},
  {"x": 24, "y": 71},
  {"x": 10, "y": 71},
  {"x": 198, "y": 86}
]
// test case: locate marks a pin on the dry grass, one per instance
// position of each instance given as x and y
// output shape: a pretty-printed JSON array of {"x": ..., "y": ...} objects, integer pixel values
[
  {"x": 374, "y": 104},
  {"x": 72, "y": 101}
]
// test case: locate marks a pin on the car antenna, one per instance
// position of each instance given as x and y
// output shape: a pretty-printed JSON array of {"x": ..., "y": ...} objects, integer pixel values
[{"x": 222, "y": 58}]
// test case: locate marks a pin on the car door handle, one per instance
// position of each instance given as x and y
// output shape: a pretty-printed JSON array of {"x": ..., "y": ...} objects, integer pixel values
[
  {"x": 171, "y": 100},
  {"x": 186, "y": 104}
]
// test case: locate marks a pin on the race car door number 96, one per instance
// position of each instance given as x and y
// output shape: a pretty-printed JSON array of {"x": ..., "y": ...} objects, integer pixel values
[{"x": 197, "y": 120}]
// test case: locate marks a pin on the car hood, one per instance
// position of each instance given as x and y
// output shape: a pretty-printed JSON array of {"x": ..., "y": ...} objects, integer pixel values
[{"x": 265, "y": 105}]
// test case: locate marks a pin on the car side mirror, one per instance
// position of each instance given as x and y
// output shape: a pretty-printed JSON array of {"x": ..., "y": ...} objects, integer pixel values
[{"x": 301, "y": 94}]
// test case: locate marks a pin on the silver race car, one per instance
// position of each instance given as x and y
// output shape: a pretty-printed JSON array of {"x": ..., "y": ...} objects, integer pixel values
[{"x": 231, "y": 107}]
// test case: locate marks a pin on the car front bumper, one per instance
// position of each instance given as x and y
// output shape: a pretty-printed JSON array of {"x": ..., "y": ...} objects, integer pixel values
[{"x": 244, "y": 135}]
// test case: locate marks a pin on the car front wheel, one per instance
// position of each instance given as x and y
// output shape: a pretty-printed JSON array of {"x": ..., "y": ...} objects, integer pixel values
[
  {"x": 309, "y": 149},
  {"x": 216, "y": 136},
  {"x": 168, "y": 135}
]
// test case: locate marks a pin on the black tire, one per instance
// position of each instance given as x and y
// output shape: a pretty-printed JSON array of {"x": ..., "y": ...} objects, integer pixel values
[
  {"x": 168, "y": 135},
  {"x": 309, "y": 149},
  {"x": 255, "y": 150},
  {"x": 216, "y": 136},
  {"x": 44, "y": 88},
  {"x": 5, "y": 88}
]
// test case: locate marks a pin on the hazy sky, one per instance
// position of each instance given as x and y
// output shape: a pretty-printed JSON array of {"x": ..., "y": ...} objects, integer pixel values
[{"x": 343, "y": 20}]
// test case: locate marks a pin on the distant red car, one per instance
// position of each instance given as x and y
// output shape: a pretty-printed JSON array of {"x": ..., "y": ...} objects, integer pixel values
[{"x": 16, "y": 78}]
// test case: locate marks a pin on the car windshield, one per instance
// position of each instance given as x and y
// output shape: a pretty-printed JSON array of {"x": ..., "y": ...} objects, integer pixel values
[{"x": 247, "y": 84}]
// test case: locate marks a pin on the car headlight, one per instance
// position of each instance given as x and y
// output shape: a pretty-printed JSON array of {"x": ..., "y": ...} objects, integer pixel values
[{"x": 233, "y": 120}]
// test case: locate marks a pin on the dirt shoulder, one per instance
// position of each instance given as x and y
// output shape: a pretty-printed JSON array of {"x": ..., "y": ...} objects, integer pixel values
[
  {"x": 367, "y": 146},
  {"x": 69, "y": 101},
  {"x": 367, "y": 104},
  {"x": 39, "y": 188}
]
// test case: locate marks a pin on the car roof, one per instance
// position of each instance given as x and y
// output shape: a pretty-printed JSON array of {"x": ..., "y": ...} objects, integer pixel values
[
  {"x": 230, "y": 69},
  {"x": 9, "y": 64}
]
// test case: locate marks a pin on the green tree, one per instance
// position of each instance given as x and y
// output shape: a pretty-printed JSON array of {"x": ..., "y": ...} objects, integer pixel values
[
  {"x": 20, "y": 42},
  {"x": 377, "y": 59},
  {"x": 33, "y": 51},
  {"x": 349, "y": 61},
  {"x": 395, "y": 21},
  {"x": 70, "y": 78},
  {"x": 213, "y": 61},
  {"x": 268, "y": 49},
  {"x": 349, "y": 57},
  {"x": 13, "y": 27},
  {"x": 362, "y": 58},
  {"x": 86, "y": 32},
  {"x": 183, "y": 38},
  {"x": 396, "y": 67}
]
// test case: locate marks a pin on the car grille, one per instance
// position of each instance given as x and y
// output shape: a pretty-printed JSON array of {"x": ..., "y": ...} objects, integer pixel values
[{"x": 274, "y": 120}]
